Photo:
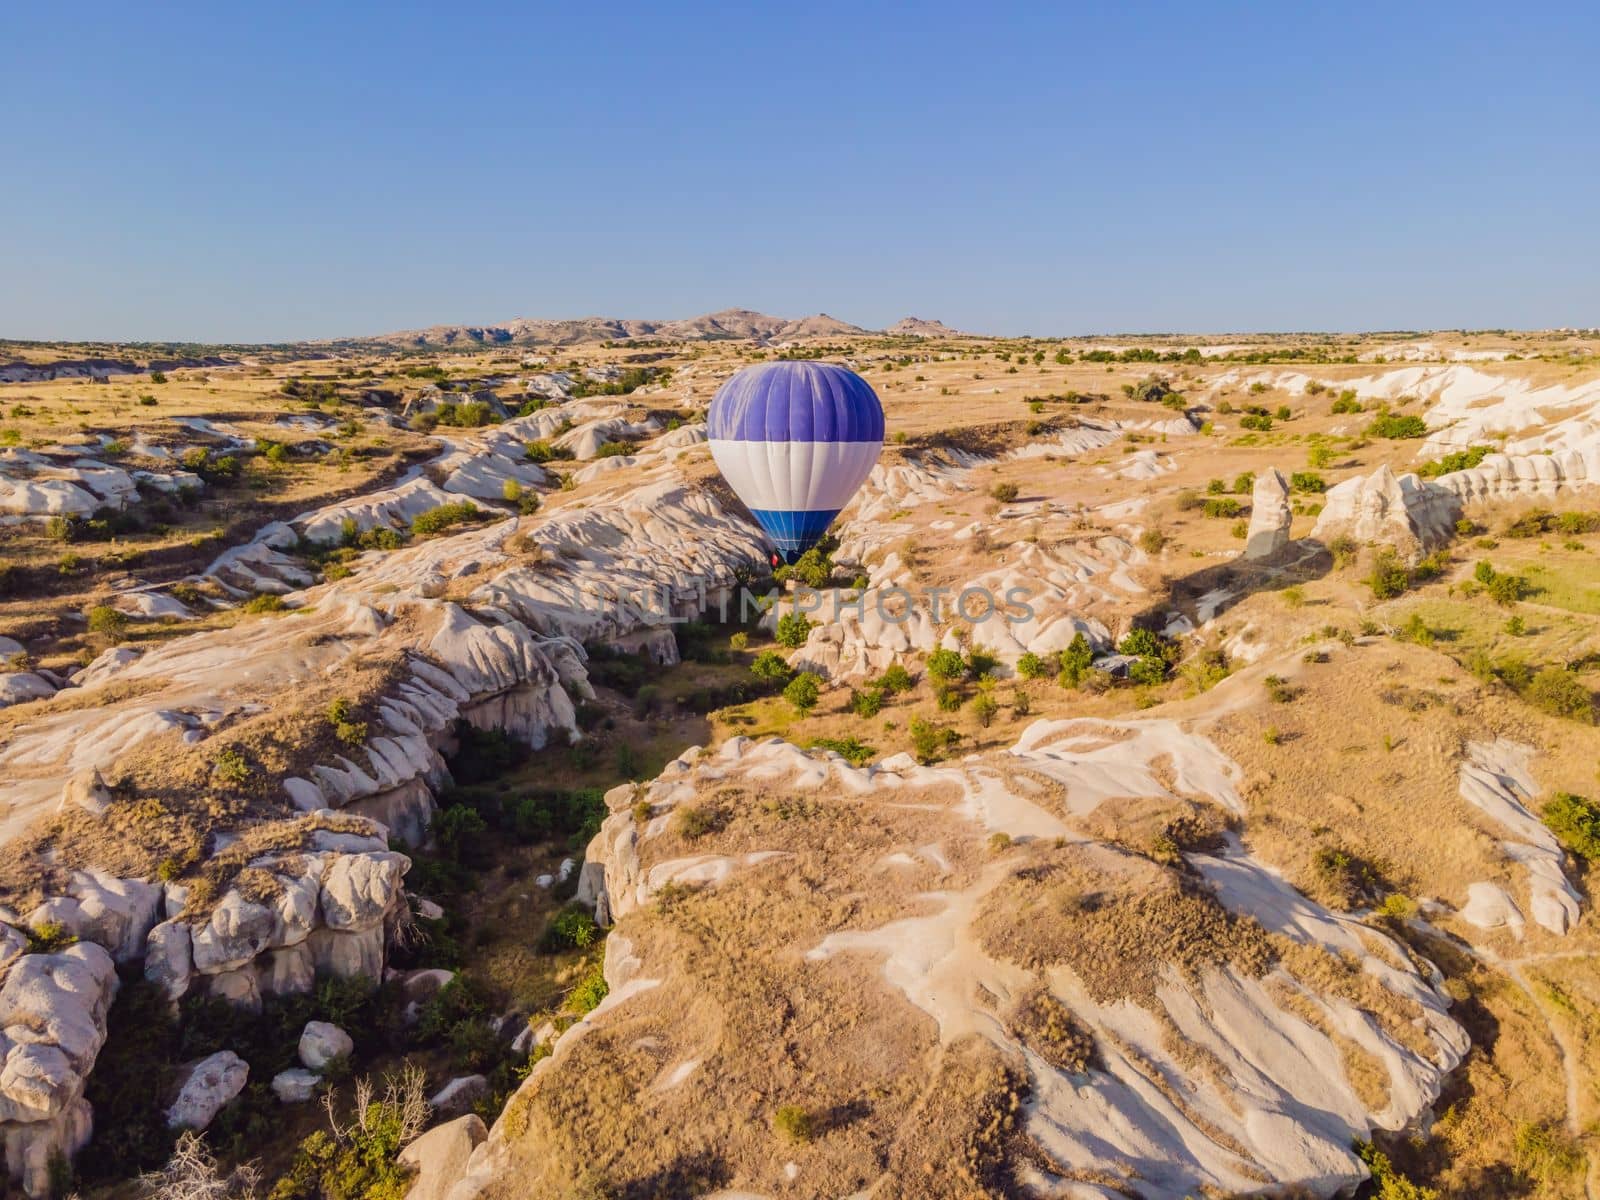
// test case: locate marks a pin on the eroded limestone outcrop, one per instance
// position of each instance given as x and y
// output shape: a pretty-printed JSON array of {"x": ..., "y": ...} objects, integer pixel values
[{"x": 1180, "y": 1023}]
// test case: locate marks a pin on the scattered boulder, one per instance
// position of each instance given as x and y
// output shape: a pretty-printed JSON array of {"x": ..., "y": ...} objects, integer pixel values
[
  {"x": 459, "y": 1094},
  {"x": 86, "y": 790},
  {"x": 321, "y": 1043},
  {"x": 209, "y": 1084},
  {"x": 296, "y": 1085}
]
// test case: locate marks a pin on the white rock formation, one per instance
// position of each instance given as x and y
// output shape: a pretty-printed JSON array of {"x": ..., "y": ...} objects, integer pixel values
[
  {"x": 439, "y": 1157},
  {"x": 321, "y": 1043},
  {"x": 1495, "y": 779},
  {"x": 1382, "y": 509},
  {"x": 208, "y": 1085},
  {"x": 1270, "y": 516},
  {"x": 296, "y": 1085}
]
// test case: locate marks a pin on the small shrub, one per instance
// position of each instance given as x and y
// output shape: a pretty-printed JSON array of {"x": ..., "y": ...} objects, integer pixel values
[
  {"x": 854, "y": 751},
  {"x": 1031, "y": 666},
  {"x": 572, "y": 928},
  {"x": 1388, "y": 577},
  {"x": 894, "y": 680},
  {"x": 437, "y": 520},
  {"x": 1395, "y": 426},
  {"x": 590, "y": 990},
  {"x": 1004, "y": 492},
  {"x": 867, "y": 703},
  {"x": 930, "y": 742},
  {"x": 803, "y": 691},
  {"x": 1076, "y": 661},
  {"x": 793, "y": 629},
  {"x": 1222, "y": 506},
  {"x": 945, "y": 665},
  {"x": 1244, "y": 483},
  {"x": 265, "y": 602},
  {"x": 770, "y": 666},
  {"x": 984, "y": 708},
  {"x": 1562, "y": 694},
  {"x": 1152, "y": 541},
  {"x": 1389, "y": 1184},
  {"x": 107, "y": 621},
  {"x": 230, "y": 766},
  {"x": 1308, "y": 481},
  {"x": 1575, "y": 820},
  {"x": 48, "y": 937},
  {"x": 794, "y": 1124}
]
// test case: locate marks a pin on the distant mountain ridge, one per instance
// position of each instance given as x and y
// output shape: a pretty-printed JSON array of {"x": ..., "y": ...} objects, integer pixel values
[{"x": 726, "y": 325}]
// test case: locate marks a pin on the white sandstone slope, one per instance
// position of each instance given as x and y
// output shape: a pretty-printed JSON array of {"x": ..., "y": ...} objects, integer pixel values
[
  {"x": 1229, "y": 1072},
  {"x": 1495, "y": 778}
]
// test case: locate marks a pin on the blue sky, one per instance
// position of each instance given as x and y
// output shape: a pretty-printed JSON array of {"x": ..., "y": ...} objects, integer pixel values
[{"x": 178, "y": 171}]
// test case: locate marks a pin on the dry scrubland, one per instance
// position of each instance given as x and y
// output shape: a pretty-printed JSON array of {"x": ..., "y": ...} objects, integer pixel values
[{"x": 1098, "y": 936}]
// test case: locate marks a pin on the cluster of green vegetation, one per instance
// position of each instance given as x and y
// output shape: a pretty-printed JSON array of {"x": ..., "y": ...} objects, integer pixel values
[
  {"x": 814, "y": 568},
  {"x": 1459, "y": 460},
  {"x": 1396, "y": 426},
  {"x": 1575, "y": 820},
  {"x": 1541, "y": 521},
  {"x": 445, "y": 516},
  {"x": 543, "y": 452},
  {"x": 1155, "y": 654},
  {"x": 631, "y": 380}
]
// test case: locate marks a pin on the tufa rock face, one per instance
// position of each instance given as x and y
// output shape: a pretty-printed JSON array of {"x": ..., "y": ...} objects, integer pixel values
[
  {"x": 1405, "y": 512},
  {"x": 439, "y": 1157},
  {"x": 1270, "y": 516},
  {"x": 1173, "y": 969}
]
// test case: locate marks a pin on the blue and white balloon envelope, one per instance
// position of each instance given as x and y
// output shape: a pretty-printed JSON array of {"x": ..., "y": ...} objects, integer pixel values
[{"x": 795, "y": 440}]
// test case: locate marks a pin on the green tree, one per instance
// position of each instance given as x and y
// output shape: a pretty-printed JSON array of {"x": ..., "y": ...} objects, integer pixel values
[{"x": 803, "y": 691}]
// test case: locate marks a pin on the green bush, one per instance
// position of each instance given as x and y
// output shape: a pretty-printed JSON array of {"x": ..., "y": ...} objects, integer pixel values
[
  {"x": 1258, "y": 422},
  {"x": 1460, "y": 460},
  {"x": 1389, "y": 1184},
  {"x": 1076, "y": 661},
  {"x": 1222, "y": 506},
  {"x": 265, "y": 602},
  {"x": 770, "y": 666},
  {"x": 1031, "y": 666},
  {"x": 894, "y": 680},
  {"x": 1308, "y": 481},
  {"x": 437, "y": 520},
  {"x": 230, "y": 766},
  {"x": 867, "y": 703},
  {"x": 856, "y": 752},
  {"x": 814, "y": 568},
  {"x": 103, "y": 619},
  {"x": 930, "y": 742},
  {"x": 590, "y": 990},
  {"x": 945, "y": 665},
  {"x": 794, "y": 1123},
  {"x": 60, "y": 529},
  {"x": 572, "y": 928},
  {"x": 793, "y": 629},
  {"x": 803, "y": 691},
  {"x": 1244, "y": 483},
  {"x": 1004, "y": 492},
  {"x": 1575, "y": 820},
  {"x": 1395, "y": 426},
  {"x": 1388, "y": 577},
  {"x": 1561, "y": 694}
]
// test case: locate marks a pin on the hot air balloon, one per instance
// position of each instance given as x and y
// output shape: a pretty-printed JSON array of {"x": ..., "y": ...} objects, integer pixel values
[{"x": 795, "y": 440}]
